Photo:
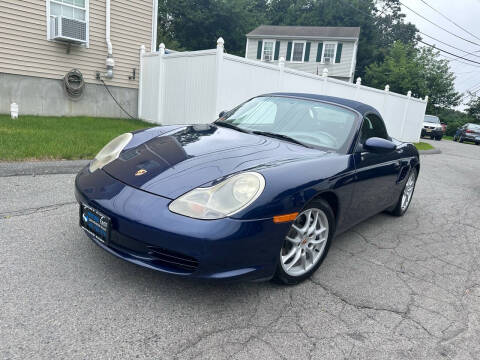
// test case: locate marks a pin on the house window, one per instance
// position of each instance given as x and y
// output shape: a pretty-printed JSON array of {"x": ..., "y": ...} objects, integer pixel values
[
  {"x": 76, "y": 10},
  {"x": 298, "y": 51},
  {"x": 268, "y": 49},
  {"x": 329, "y": 50},
  {"x": 72, "y": 9}
]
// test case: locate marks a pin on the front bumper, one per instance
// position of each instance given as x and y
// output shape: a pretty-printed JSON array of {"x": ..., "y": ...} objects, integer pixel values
[
  {"x": 145, "y": 232},
  {"x": 432, "y": 132}
]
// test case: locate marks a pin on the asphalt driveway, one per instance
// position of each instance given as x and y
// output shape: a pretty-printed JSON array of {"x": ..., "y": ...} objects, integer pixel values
[{"x": 391, "y": 288}]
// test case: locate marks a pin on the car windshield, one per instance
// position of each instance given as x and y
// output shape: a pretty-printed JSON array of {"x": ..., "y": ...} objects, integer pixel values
[
  {"x": 432, "y": 119},
  {"x": 311, "y": 123}
]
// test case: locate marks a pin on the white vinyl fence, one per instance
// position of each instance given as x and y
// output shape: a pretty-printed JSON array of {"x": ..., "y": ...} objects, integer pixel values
[{"x": 193, "y": 87}]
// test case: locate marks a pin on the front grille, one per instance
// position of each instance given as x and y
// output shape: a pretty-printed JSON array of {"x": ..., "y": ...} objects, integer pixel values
[{"x": 172, "y": 259}]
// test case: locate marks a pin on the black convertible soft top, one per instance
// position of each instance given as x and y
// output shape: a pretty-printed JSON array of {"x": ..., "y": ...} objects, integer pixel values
[{"x": 356, "y": 105}]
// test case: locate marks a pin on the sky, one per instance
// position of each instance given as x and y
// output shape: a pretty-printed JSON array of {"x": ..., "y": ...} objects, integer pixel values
[{"x": 465, "y": 13}]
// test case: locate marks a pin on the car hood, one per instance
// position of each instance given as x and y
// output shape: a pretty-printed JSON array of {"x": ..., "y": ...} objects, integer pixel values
[{"x": 190, "y": 156}]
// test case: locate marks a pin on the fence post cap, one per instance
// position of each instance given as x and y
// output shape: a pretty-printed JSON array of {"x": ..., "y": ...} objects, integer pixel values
[
  {"x": 359, "y": 81},
  {"x": 220, "y": 42},
  {"x": 325, "y": 72},
  {"x": 162, "y": 48},
  {"x": 426, "y": 98},
  {"x": 282, "y": 60},
  {"x": 387, "y": 87},
  {"x": 409, "y": 93}
]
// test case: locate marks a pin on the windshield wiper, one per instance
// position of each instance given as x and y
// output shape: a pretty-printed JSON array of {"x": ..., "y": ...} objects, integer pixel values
[
  {"x": 281, "y": 136},
  {"x": 231, "y": 126}
]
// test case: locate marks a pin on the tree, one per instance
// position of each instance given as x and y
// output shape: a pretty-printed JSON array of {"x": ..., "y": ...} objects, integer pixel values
[
  {"x": 474, "y": 109},
  {"x": 196, "y": 24},
  {"x": 438, "y": 81},
  {"x": 421, "y": 71}
]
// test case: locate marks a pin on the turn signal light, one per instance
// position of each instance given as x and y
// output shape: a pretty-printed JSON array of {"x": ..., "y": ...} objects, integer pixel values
[{"x": 285, "y": 218}]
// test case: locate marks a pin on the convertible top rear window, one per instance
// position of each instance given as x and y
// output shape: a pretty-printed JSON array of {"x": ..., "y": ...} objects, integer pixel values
[{"x": 310, "y": 122}]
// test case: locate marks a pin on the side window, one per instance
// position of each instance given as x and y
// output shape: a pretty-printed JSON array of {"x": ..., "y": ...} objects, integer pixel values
[{"x": 372, "y": 126}]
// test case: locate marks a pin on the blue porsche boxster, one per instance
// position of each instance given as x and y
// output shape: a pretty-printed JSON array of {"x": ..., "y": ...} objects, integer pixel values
[{"x": 257, "y": 194}]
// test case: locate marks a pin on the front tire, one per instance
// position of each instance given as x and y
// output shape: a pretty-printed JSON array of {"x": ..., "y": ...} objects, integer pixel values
[
  {"x": 407, "y": 193},
  {"x": 306, "y": 244}
]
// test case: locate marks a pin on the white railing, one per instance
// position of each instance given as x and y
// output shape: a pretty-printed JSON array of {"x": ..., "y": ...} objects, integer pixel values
[{"x": 193, "y": 87}]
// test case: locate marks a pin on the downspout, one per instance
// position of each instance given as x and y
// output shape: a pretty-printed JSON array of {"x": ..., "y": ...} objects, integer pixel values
[{"x": 109, "y": 62}]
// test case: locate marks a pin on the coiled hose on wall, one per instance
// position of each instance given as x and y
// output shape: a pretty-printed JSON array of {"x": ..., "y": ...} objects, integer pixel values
[{"x": 74, "y": 83}]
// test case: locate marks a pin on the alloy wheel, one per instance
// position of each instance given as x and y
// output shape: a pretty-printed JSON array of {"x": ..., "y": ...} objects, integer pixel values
[
  {"x": 305, "y": 242},
  {"x": 408, "y": 191}
]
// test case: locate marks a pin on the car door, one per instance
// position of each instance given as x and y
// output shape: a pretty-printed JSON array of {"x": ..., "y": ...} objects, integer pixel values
[{"x": 376, "y": 174}]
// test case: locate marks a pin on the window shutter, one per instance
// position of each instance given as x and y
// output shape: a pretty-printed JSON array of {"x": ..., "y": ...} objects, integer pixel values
[
  {"x": 319, "y": 52},
  {"x": 259, "y": 49},
  {"x": 289, "y": 50},
  {"x": 277, "y": 50},
  {"x": 338, "y": 57},
  {"x": 307, "y": 52}
]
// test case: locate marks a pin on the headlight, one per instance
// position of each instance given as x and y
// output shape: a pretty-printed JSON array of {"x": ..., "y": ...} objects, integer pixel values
[
  {"x": 223, "y": 199},
  {"x": 110, "y": 151}
]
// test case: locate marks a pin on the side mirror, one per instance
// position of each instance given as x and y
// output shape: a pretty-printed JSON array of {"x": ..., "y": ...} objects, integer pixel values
[
  {"x": 379, "y": 145},
  {"x": 222, "y": 113}
]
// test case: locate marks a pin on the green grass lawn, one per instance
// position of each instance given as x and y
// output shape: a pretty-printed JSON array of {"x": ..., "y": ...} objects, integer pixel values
[
  {"x": 423, "y": 146},
  {"x": 446, "y": 137},
  {"x": 49, "y": 138}
]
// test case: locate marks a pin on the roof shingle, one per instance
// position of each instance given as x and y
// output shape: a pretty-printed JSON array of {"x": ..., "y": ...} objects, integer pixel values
[{"x": 306, "y": 31}]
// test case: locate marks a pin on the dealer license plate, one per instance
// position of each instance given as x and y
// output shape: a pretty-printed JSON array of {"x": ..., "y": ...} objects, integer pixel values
[{"x": 95, "y": 223}]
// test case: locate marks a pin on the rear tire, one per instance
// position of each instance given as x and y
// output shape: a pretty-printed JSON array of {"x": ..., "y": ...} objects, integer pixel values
[
  {"x": 401, "y": 207},
  {"x": 303, "y": 252}
]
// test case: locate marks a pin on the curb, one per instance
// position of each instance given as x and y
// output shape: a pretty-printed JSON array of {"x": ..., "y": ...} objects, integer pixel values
[
  {"x": 429, "y": 152},
  {"x": 41, "y": 167}
]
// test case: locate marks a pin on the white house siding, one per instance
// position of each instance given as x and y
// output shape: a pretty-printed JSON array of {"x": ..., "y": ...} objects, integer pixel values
[
  {"x": 25, "y": 50},
  {"x": 339, "y": 70}
]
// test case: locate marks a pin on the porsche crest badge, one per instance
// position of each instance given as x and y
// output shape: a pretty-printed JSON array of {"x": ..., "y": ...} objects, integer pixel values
[{"x": 141, "y": 172}]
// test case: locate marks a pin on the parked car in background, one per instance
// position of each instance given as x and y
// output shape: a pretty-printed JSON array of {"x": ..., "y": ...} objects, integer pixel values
[
  {"x": 468, "y": 132},
  {"x": 432, "y": 127}
]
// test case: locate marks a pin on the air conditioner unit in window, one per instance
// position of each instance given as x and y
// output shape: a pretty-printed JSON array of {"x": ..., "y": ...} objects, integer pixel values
[
  {"x": 327, "y": 60},
  {"x": 69, "y": 30}
]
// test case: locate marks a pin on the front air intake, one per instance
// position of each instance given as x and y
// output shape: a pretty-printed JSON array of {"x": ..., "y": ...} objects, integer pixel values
[{"x": 172, "y": 259}]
